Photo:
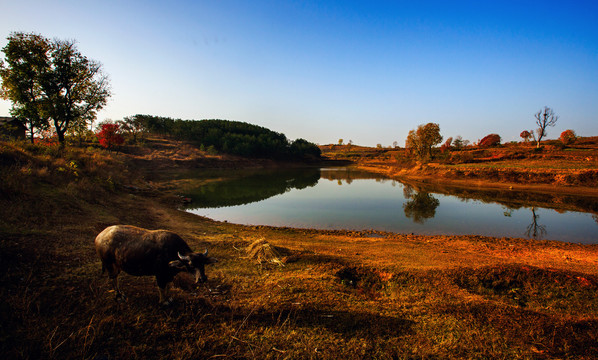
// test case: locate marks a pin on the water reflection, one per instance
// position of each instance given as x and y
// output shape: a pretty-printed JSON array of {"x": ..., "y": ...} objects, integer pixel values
[
  {"x": 250, "y": 187},
  {"x": 535, "y": 230},
  {"x": 420, "y": 206},
  {"x": 368, "y": 201}
]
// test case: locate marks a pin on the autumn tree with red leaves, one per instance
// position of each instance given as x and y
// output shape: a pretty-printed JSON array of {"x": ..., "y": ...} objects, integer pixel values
[
  {"x": 490, "y": 140},
  {"x": 568, "y": 137},
  {"x": 110, "y": 137}
]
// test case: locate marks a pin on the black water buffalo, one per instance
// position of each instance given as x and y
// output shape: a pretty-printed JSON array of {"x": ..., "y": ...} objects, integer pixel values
[{"x": 141, "y": 252}]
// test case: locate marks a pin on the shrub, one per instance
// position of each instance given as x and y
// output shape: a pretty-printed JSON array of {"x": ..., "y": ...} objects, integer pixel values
[
  {"x": 526, "y": 135},
  {"x": 110, "y": 137},
  {"x": 568, "y": 137},
  {"x": 490, "y": 140},
  {"x": 461, "y": 157}
]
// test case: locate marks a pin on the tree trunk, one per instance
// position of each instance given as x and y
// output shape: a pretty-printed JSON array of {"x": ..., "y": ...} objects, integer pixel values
[{"x": 60, "y": 135}]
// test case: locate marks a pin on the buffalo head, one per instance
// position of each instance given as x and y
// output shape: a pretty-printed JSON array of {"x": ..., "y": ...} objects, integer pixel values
[{"x": 193, "y": 263}]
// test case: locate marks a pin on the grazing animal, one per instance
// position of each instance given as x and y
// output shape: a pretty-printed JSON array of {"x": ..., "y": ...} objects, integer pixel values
[{"x": 141, "y": 252}]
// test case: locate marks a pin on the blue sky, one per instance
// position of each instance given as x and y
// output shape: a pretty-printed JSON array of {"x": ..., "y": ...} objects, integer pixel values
[{"x": 366, "y": 71}]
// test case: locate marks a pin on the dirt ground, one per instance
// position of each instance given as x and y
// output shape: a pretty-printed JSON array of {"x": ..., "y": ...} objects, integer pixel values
[{"x": 329, "y": 294}]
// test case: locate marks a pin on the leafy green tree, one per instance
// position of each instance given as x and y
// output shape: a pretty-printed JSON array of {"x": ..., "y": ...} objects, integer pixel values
[
  {"x": 302, "y": 148},
  {"x": 26, "y": 57},
  {"x": 421, "y": 140},
  {"x": 134, "y": 127},
  {"x": 80, "y": 132},
  {"x": 76, "y": 87},
  {"x": 59, "y": 83}
]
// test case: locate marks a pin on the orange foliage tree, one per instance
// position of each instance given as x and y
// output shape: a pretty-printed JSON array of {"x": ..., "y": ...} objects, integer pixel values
[{"x": 568, "y": 137}]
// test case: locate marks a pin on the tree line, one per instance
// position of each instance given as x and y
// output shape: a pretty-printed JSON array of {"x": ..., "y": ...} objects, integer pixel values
[
  {"x": 232, "y": 137},
  {"x": 55, "y": 89},
  {"x": 421, "y": 141}
]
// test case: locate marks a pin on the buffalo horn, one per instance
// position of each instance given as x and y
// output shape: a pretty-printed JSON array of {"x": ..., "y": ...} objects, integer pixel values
[
  {"x": 205, "y": 253},
  {"x": 184, "y": 258}
]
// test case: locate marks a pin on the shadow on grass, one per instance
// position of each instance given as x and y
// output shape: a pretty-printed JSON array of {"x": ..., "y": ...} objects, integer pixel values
[
  {"x": 346, "y": 323},
  {"x": 548, "y": 335}
]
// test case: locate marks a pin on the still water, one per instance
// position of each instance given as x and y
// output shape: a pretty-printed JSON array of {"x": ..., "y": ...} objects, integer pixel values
[{"x": 345, "y": 198}]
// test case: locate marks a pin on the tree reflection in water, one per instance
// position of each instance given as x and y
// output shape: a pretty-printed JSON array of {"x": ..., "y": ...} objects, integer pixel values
[
  {"x": 421, "y": 205},
  {"x": 251, "y": 187},
  {"x": 535, "y": 230},
  {"x": 367, "y": 204}
]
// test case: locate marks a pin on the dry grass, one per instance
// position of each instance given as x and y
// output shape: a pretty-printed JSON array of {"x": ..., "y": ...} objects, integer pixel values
[
  {"x": 263, "y": 252},
  {"x": 339, "y": 295}
]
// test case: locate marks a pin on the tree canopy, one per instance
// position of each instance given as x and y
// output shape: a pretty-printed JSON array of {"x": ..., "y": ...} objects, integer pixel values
[
  {"x": 421, "y": 140},
  {"x": 233, "y": 137},
  {"x": 27, "y": 57},
  {"x": 50, "y": 81},
  {"x": 568, "y": 137}
]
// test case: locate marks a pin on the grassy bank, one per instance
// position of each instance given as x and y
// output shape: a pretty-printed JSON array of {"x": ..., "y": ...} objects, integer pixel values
[
  {"x": 339, "y": 293},
  {"x": 552, "y": 168}
]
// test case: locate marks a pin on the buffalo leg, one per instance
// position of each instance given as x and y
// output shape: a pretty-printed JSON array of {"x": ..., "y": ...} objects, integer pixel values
[
  {"x": 113, "y": 272},
  {"x": 164, "y": 296},
  {"x": 163, "y": 288},
  {"x": 119, "y": 295}
]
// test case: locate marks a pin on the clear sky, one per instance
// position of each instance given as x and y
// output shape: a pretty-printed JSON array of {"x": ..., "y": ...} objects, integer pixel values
[{"x": 366, "y": 71}]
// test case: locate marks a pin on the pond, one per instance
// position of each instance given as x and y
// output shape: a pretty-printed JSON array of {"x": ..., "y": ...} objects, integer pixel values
[{"x": 347, "y": 198}]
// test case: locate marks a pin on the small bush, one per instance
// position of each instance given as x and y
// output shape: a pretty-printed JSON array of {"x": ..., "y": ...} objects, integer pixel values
[{"x": 490, "y": 140}]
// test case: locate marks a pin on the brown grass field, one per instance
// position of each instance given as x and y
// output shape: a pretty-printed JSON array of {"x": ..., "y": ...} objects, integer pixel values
[{"x": 327, "y": 294}]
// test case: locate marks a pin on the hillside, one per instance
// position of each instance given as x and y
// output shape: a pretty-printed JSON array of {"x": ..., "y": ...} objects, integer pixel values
[
  {"x": 340, "y": 294},
  {"x": 572, "y": 169},
  {"x": 232, "y": 137}
]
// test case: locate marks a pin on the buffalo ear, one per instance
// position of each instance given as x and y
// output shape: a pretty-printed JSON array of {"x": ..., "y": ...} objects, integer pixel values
[{"x": 177, "y": 264}]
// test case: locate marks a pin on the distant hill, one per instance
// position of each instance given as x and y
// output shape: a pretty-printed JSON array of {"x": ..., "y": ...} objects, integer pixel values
[{"x": 233, "y": 137}]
